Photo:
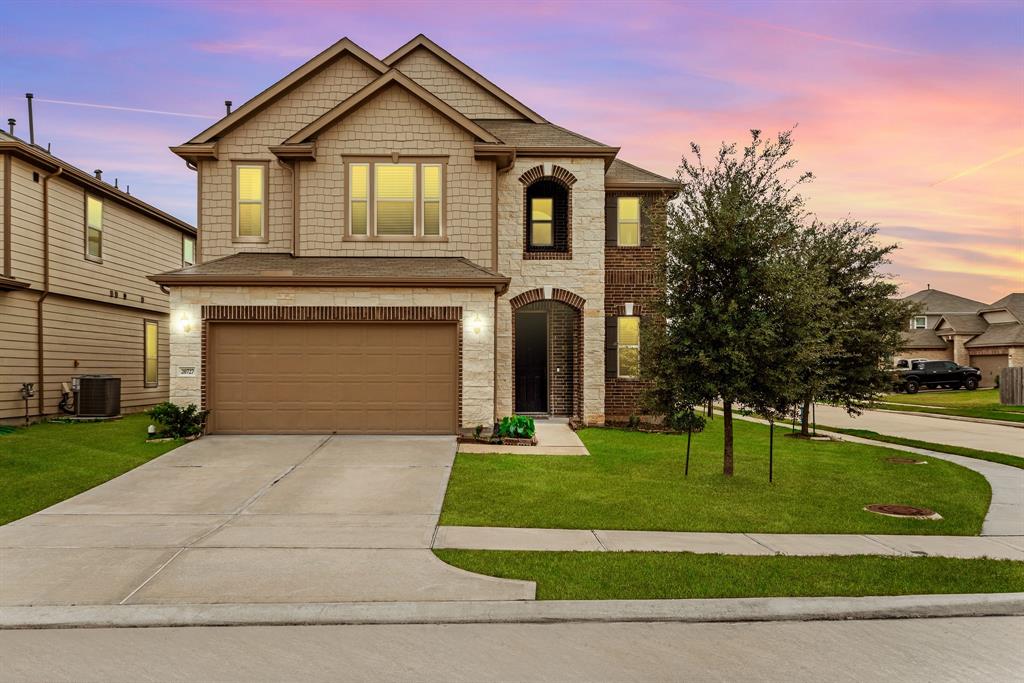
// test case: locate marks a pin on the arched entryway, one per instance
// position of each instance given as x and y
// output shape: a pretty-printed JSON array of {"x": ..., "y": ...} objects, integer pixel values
[{"x": 547, "y": 360}]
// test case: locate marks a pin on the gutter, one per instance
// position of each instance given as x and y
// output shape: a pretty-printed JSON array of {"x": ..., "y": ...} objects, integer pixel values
[
  {"x": 40, "y": 354},
  {"x": 499, "y": 284}
]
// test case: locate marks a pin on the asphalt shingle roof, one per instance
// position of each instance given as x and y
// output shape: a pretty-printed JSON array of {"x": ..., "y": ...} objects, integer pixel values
[
  {"x": 964, "y": 323},
  {"x": 999, "y": 334},
  {"x": 936, "y": 301},
  {"x": 1014, "y": 303},
  {"x": 529, "y": 134},
  {"x": 923, "y": 339},
  {"x": 624, "y": 172}
]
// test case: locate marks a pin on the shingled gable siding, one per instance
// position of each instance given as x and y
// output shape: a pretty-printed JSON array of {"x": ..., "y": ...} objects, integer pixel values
[
  {"x": 582, "y": 275},
  {"x": 452, "y": 87},
  {"x": 340, "y": 304},
  {"x": 629, "y": 278},
  {"x": 397, "y": 122},
  {"x": 250, "y": 141}
]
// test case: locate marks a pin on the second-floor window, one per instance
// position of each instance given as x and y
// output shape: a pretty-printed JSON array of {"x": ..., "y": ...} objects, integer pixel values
[
  {"x": 395, "y": 200},
  {"x": 629, "y": 222},
  {"x": 93, "y": 227},
  {"x": 188, "y": 250},
  {"x": 547, "y": 217},
  {"x": 920, "y": 322},
  {"x": 250, "y": 208}
]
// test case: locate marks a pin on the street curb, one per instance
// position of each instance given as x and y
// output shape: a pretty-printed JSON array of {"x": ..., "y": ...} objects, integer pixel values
[
  {"x": 957, "y": 418},
  {"x": 505, "y": 612}
]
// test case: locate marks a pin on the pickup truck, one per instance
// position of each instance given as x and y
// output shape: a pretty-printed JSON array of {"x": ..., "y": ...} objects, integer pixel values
[{"x": 936, "y": 374}]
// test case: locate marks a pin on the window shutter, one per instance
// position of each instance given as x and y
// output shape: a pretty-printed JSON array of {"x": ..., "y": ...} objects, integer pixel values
[
  {"x": 611, "y": 220},
  {"x": 647, "y": 203},
  {"x": 611, "y": 338}
]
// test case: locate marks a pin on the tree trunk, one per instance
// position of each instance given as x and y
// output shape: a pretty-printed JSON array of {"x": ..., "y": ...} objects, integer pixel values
[
  {"x": 727, "y": 430},
  {"x": 805, "y": 418}
]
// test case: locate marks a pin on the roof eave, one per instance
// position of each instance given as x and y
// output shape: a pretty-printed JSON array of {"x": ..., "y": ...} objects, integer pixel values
[
  {"x": 499, "y": 284},
  {"x": 300, "y": 151},
  {"x": 10, "y": 284},
  {"x": 643, "y": 187},
  {"x": 193, "y": 152},
  {"x": 606, "y": 153}
]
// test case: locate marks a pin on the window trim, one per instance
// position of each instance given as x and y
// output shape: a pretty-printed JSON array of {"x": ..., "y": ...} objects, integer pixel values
[
  {"x": 619, "y": 346},
  {"x": 146, "y": 322},
  {"x": 914, "y": 325},
  {"x": 264, "y": 237},
  {"x": 371, "y": 218},
  {"x": 185, "y": 239},
  {"x": 619, "y": 222},
  {"x": 85, "y": 221}
]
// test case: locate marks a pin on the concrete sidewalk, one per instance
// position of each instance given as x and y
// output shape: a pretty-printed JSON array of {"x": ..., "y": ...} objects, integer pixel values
[
  {"x": 553, "y": 438},
  {"x": 597, "y": 540}
]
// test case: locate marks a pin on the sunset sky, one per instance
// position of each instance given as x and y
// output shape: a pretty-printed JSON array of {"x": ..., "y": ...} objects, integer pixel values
[{"x": 911, "y": 115}]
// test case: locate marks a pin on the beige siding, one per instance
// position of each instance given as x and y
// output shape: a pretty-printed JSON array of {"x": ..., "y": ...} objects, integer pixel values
[
  {"x": 250, "y": 141},
  {"x": 3, "y": 194},
  {"x": 454, "y": 88},
  {"x": 18, "y": 344},
  {"x": 396, "y": 121},
  {"x": 26, "y": 224}
]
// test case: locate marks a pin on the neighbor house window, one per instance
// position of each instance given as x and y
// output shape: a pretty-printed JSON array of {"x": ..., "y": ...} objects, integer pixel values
[
  {"x": 395, "y": 200},
  {"x": 93, "y": 227},
  {"x": 542, "y": 213},
  {"x": 629, "y": 222},
  {"x": 152, "y": 353},
  {"x": 188, "y": 250},
  {"x": 250, "y": 210},
  {"x": 920, "y": 322},
  {"x": 629, "y": 346}
]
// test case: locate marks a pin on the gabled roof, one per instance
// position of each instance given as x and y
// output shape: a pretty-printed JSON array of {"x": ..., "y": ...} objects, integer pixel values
[
  {"x": 379, "y": 271},
  {"x": 923, "y": 339},
  {"x": 393, "y": 77},
  {"x": 333, "y": 53},
  {"x": 961, "y": 323},
  {"x": 422, "y": 42},
  {"x": 624, "y": 175},
  {"x": 999, "y": 334},
  {"x": 1013, "y": 303},
  {"x": 529, "y": 134},
  {"x": 937, "y": 302}
]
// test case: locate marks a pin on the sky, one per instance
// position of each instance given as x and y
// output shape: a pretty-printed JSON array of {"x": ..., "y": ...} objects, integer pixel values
[{"x": 910, "y": 115}]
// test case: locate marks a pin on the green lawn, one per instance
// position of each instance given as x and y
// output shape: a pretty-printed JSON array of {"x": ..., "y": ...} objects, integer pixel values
[
  {"x": 982, "y": 403},
  {"x": 639, "y": 576},
  {"x": 48, "y": 462},
  {"x": 991, "y": 456},
  {"x": 634, "y": 480}
]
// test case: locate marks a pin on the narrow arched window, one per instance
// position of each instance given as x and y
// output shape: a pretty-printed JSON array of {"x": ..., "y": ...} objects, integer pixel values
[{"x": 547, "y": 217}]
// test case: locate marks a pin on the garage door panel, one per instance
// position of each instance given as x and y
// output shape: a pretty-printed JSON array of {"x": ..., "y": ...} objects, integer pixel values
[{"x": 332, "y": 377}]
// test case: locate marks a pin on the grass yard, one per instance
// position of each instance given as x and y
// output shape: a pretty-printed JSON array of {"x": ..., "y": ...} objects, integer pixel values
[
  {"x": 983, "y": 403},
  {"x": 649, "y": 576},
  {"x": 991, "y": 456},
  {"x": 634, "y": 480},
  {"x": 49, "y": 462}
]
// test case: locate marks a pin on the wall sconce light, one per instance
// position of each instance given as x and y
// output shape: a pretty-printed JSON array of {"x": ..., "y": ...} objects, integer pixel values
[
  {"x": 184, "y": 322},
  {"x": 476, "y": 325}
]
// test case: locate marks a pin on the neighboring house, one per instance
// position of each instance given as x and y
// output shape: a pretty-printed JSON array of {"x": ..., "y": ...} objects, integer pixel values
[
  {"x": 75, "y": 297},
  {"x": 950, "y": 327},
  {"x": 400, "y": 246}
]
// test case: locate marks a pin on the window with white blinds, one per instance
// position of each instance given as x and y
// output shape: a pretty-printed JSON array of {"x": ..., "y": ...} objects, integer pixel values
[
  {"x": 395, "y": 200},
  {"x": 250, "y": 209}
]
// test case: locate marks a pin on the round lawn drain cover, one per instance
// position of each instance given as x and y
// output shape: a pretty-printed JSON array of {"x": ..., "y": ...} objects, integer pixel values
[
  {"x": 907, "y": 461},
  {"x": 906, "y": 511}
]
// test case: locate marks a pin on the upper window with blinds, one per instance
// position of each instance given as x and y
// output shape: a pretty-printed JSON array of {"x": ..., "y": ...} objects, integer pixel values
[
  {"x": 93, "y": 228},
  {"x": 395, "y": 200},
  {"x": 250, "y": 202}
]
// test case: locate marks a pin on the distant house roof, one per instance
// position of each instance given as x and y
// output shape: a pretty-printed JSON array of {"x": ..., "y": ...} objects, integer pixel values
[
  {"x": 379, "y": 271},
  {"x": 999, "y": 334},
  {"x": 1014, "y": 303},
  {"x": 923, "y": 339},
  {"x": 935, "y": 301},
  {"x": 961, "y": 323}
]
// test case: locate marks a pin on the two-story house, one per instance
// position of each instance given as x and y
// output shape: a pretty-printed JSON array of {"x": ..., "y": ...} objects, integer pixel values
[
  {"x": 75, "y": 298},
  {"x": 398, "y": 245}
]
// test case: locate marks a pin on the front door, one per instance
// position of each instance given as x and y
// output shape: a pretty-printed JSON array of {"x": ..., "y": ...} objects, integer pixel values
[{"x": 531, "y": 362}]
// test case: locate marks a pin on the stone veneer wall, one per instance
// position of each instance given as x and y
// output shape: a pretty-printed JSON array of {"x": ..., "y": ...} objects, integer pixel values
[
  {"x": 250, "y": 141},
  {"x": 477, "y": 364},
  {"x": 582, "y": 275}
]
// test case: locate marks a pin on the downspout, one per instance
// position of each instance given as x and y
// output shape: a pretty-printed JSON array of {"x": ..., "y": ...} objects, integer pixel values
[
  {"x": 40, "y": 386},
  {"x": 295, "y": 202}
]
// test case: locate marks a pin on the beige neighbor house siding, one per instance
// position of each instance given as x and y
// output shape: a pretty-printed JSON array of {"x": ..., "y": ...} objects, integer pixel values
[
  {"x": 396, "y": 121},
  {"x": 582, "y": 275},
  {"x": 94, "y": 314},
  {"x": 476, "y": 303},
  {"x": 452, "y": 87},
  {"x": 250, "y": 142}
]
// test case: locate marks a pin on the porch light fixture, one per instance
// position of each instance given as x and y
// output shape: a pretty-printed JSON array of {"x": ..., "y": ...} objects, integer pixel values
[
  {"x": 184, "y": 322},
  {"x": 476, "y": 325},
  {"x": 629, "y": 308}
]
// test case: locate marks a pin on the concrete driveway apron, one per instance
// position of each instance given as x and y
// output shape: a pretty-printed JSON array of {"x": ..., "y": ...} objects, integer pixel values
[{"x": 251, "y": 519}]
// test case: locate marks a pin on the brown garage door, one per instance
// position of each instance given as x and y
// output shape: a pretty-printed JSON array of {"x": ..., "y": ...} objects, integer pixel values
[
  {"x": 990, "y": 367},
  {"x": 353, "y": 378}
]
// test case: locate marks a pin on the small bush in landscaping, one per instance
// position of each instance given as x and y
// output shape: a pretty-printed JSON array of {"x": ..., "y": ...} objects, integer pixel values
[
  {"x": 178, "y": 422},
  {"x": 517, "y": 427}
]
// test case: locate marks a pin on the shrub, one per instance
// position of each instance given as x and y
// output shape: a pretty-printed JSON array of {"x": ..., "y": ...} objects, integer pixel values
[
  {"x": 179, "y": 422},
  {"x": 517, "y": 427}
]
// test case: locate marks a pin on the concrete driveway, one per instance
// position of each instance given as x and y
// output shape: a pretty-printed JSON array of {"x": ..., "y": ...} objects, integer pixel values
[{"x": 251, "y": 519}]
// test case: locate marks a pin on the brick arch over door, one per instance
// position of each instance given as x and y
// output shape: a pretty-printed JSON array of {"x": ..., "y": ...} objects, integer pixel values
[{"x": 574, "y": 302}]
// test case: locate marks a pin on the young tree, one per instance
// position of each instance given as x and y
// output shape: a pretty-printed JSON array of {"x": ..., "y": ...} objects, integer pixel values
[
  {"x": 862, "y": 320},
  {"x": 736, "y": 300}
]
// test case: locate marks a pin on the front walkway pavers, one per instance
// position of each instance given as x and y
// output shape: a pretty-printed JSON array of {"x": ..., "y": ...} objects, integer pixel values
[
  {"x": 508, "y": 538},
  {"x": 251, "y": 520}
]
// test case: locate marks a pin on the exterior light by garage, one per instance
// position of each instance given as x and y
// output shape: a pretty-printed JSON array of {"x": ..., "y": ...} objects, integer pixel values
[
  {"x": 476, "y": 325},
  {"x": 184, "y": 322}
]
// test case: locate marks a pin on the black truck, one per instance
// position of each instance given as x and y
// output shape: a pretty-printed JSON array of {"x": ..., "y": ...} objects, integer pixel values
[{"x": 936, "y": 374}]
